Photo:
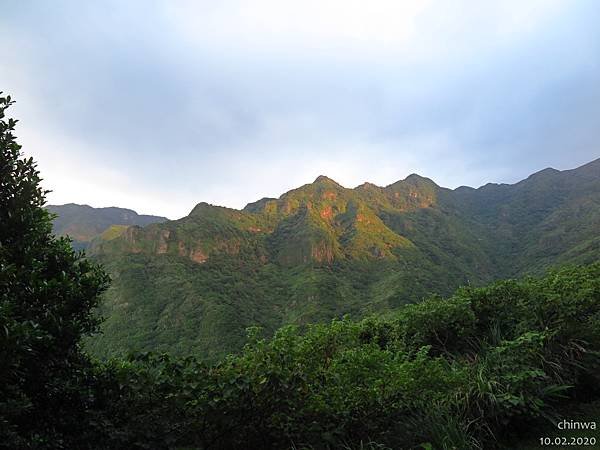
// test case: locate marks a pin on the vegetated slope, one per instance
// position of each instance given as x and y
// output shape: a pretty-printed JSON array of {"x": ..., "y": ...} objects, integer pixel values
[
  {"x": 485, "y": 368},
  {"x": 83, "y": 223},
  {"x": 552, "y": 217},
  {"x": 322, "y": 250}
]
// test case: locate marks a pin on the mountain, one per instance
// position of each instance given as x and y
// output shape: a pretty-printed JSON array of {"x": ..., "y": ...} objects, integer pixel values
[
  {"x": 84, "y": 223},
  {"x": 323, "y": 250},
  {"x": 552, "y": 217}
]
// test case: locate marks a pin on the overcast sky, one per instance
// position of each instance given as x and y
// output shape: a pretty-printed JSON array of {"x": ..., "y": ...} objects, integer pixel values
[{"x": 157, "y": 106}]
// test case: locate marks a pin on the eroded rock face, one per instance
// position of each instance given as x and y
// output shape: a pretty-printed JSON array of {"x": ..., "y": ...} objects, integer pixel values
[
  {"x": 163, "y": 244},
  {"x": 327, "y": 213},
  {"x": 322, "y": 253},
  {"x": 132, "y": 237},
  {"x": 421, "y": 201},
  {"x": 198, "y": 256},
  {"x": 329, "y": 195}
]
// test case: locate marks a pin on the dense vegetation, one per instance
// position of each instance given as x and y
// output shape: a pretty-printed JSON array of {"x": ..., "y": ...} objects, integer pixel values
[
  {"x": 321, "y": 251},
  {"x": 47, "y": 293},
  {"x": 455, "y": 373}
]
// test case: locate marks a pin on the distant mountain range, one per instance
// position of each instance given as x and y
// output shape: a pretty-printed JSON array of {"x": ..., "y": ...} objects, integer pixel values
[
  {"x": 84, "y": 223},
  {"x": 322, "y": 250}
]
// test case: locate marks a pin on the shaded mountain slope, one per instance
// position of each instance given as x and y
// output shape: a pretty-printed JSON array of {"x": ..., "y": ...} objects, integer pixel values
[{"x": 551, "y": 217}]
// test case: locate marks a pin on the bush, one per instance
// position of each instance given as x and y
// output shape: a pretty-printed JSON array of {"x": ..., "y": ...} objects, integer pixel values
[
  {"x": 47, "y": 293},
  {"x": 453, "y": 373}
]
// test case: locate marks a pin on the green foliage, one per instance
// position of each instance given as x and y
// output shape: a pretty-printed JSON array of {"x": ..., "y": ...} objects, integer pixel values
[
  {"x": 453, "y": 373},
  {"x": 47, "y": 293},
  {"x": 168, "y": 303}
]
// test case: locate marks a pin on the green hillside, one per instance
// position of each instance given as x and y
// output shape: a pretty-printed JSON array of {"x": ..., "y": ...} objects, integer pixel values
[
  {"x": 495, "y": 367},
  {"x": 82, "y": 223},
  {"x": 321, "y": 251}
]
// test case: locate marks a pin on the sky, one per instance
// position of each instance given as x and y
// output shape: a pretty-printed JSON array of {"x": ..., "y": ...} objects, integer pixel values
[{"x": 160, "y": 105}]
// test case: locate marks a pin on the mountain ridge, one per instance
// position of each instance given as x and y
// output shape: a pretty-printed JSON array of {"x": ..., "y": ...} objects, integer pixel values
[
  {"x": 322, "y": 250},
  {"x": 84, "y": 223},
  {"x": 413, "y": 192}
]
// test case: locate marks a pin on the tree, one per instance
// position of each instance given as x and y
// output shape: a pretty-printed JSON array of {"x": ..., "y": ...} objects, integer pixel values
[{"x": 47, "y": 296}]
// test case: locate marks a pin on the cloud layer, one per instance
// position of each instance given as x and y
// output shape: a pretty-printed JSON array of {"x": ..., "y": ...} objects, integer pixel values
[{"x": 160, "y": 105}]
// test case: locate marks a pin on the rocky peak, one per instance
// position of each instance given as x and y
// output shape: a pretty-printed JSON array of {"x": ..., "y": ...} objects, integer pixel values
[
  {"x": 322, "y": 179},
  {"x": 414, "y": 178},
  {"x": 368, "y": 186},
  {"x": 202, "y": 207}
]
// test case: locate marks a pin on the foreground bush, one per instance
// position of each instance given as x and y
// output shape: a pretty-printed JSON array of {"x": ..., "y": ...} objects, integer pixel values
[
  {"x": 47, "y": 294},
  {"x": 453, "y": 373}
]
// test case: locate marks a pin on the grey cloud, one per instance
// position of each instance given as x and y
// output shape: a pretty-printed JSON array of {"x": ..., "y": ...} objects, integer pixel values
[{"x": 121, "y": 79}]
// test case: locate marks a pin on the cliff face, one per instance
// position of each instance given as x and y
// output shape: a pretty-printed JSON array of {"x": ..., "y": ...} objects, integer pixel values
[{"x": 322, "y": 250}]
